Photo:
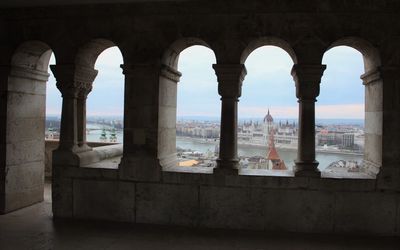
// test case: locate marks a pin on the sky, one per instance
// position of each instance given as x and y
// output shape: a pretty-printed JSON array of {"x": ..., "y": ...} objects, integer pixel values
[{"x": 268, "y": 85}]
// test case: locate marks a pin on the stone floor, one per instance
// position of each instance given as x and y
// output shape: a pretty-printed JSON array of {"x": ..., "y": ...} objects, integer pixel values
[{"x": 33, "y": 228}]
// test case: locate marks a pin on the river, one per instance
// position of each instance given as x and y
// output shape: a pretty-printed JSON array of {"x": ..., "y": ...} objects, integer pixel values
[{"x": 288, "y": 155}]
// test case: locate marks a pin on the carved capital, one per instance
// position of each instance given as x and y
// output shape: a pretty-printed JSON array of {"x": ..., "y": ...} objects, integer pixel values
[
  {"x": 170, "y": 73},
  {"x": 84, "y": 76},
  {"x": 27, "y": 73},
  {"x": 371, "y": 77},
  {"x": 307, "y": 79},
  {"x": 230, "y": 78},
  {"x": 74, "y": 81}
]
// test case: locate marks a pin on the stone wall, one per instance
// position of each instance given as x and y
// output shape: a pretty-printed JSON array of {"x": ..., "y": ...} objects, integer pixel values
[{"x": 294, "y": 204}]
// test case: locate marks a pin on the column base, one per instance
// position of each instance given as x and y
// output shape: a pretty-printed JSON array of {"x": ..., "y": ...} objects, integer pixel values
[
  {"x": 307, "y": 169},
  {"x": 227, "y": 167}
]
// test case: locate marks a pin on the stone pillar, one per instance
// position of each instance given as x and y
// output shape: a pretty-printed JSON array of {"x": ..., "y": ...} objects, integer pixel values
[
  {"x": 140, "y": 148},
  {"x": 65, "y": 76},
  {"x": 4, "y": 73},
  {"x": 75, "y": 83},
  {"x": 373, "y": 121},
  {"x": 230, "y": 78},
  {"x": 382, "y": 120},
  {"x": 307, "y": 79},
  {"x": 169, "y": 77},
  {"x": 22, "y": 146},
  {"x": 85, "y": 77}
]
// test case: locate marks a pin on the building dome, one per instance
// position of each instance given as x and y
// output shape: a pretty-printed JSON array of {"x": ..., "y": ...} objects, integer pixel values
[{"x": 268, "y": 117}]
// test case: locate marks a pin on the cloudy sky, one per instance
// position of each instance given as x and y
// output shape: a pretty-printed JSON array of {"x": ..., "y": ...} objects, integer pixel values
[{"x": 268, "y": 84}]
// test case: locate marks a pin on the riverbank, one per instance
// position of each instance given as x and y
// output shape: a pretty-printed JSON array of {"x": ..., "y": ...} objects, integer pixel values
[{"x": 259, "y": 146}]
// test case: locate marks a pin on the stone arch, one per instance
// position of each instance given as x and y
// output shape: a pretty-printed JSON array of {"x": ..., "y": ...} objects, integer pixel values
[
  {"x": 85, "y": 61},
  {"x": 373, "y": 124},
  {"x": 33, "y": 55},
  {"x": 25, "y": 104},
  {"x": 265, "y": 41},
  {"x": 90, "y": 51},
  {"x": 170, "y": 57},
  {"x": 370, "y": 54},
  {"x": 286, "y": 91}
]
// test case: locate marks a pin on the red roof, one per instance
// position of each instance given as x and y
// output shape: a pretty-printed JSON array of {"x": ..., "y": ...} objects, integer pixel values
[{"x": 273, "y": 154}]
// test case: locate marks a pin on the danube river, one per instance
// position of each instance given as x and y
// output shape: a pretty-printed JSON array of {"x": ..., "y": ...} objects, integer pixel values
[{"x": 288, "y": 155}]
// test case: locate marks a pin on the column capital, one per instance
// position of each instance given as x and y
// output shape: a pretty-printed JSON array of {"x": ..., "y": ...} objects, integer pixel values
[
  {"x": 170, "y": 73},
  {"x": 28, "y": 73},
  {"x": 74, "y": 81},
  {"x": 371, "y": 76},
  {"x": 307, "y": 78},
  {"x": 230, "y": 78}
]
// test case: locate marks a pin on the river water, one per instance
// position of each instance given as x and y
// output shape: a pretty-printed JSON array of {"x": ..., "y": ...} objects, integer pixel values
[{"x": 288, "y": 155}]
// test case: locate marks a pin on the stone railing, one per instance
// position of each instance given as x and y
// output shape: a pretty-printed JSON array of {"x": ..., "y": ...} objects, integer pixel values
[{"x": 51, "y": 145}]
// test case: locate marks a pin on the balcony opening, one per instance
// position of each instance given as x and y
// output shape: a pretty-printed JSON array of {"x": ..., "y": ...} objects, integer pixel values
[
  {"x": 346, "y": 147},
  {"x": 198, "y": 109},
  {"x": 268, "y": 113},
  {"x": 189, "y": 142},
  {"x": 52, "y": 123},
  {"x": 105, "y": 103},
  {"x": 104, "y": 109}
]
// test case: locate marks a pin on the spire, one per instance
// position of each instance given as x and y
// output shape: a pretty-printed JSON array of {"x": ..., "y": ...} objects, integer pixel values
[
  {"x": 272, "y": 153},
  {"x": 268, "y": 118},
  {"x": 273, "y": 156}
]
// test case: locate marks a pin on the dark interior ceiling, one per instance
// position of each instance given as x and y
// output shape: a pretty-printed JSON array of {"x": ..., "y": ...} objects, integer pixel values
[{"x": 34, "y": 3}]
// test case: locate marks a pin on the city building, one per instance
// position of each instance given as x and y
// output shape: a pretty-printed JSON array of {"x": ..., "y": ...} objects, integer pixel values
[
  {"x": 274, "y": 162},
  {"x": 285, "y": 133},
  {"x": 348, "y": 141}
]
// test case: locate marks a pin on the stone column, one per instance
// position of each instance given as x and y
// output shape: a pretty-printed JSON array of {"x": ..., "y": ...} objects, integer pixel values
[
  {"x": 85, "y": 77},
  {"x": 382, "y": 120},
  {"x": 4, "y": 73},
  {"x": 74, "y": 83},
  {"x": 307, "y": 79},
  {"x": 373, "y": 121},
  {"x": 23, "y": 126},
  {"x": 230, "y": 78},
  {"x": 140, "y": 161},
  {"x": 169, "y": 78}
]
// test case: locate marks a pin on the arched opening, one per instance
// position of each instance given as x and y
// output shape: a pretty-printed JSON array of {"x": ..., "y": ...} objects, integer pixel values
[
  {"x": 25, "y": 143},
  {"x": 100, "y": 107},
  {"x": 191, "y": 140},
  {"x": 349, "y": 112},
  {"x": 52, "y": 125},
  {"x": 105, "y": 103},
  {"x": 268, "y": 112}
]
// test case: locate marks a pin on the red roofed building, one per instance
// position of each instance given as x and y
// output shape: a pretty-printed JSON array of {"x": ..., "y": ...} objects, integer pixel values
[{"x": 274, "y": 161}]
